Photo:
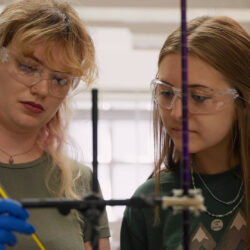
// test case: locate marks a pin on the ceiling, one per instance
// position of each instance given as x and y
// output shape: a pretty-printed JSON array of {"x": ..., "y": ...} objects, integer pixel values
[{"x": 151, "y": 21}]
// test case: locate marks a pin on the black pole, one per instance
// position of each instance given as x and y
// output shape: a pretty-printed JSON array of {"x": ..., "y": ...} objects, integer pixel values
[
  {"x": 94, "y": 138},
  {"x": 94, "y": 213}
]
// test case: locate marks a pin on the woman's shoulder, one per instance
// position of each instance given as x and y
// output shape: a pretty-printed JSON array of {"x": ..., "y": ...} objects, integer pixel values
[
  {"x": 168, "y": 180},
  {"x": 82, "y": 176},
  {"x": 80, "y": 169}
]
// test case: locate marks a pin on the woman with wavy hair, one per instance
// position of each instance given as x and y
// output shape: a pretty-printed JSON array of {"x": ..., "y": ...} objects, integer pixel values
[
  {"x": 219, "y": 140},
  {"x": 45, "y": 51}
]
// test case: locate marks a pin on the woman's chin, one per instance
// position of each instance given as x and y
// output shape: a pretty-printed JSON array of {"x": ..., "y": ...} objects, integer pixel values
[{"x": 192, "y": 148}]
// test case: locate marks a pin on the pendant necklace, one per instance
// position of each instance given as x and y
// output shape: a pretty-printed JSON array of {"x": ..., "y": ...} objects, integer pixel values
[
  {"x": 11, "y": 159},
  {"x": 217, "y": 222}
]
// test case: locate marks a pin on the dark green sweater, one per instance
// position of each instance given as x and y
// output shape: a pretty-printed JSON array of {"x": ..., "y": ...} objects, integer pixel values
[{"x": 207, "y": 233}]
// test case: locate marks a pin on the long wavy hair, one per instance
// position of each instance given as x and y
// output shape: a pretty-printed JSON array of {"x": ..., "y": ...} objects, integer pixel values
[
  {"x": 225, "y": 45},
  {"x": 54, "y": 23}
]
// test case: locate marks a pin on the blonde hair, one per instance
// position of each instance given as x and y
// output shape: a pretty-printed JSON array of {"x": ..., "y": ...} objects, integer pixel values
[
  {"x": 225, "y": 45},
  {"x": 55, "y": 24}
]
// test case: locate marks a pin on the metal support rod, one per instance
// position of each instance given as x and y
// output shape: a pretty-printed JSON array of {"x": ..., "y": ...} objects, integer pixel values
[
  {"x": 94, "y": 139},
  {"x": 185, "y": 153}
]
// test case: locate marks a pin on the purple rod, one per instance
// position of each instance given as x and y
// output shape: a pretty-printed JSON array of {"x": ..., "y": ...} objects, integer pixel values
[{"x": 185, "y": 154}]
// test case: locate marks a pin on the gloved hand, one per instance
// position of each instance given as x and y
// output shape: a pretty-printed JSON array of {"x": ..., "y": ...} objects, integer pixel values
[{"x": 12, "y": 219}]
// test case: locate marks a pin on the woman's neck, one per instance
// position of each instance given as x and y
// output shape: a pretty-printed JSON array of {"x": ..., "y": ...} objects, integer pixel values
[
  {"x": 217, "y": 158},
  {"x": 19, "y": 147},
  {"x": 214, "y": 161}
]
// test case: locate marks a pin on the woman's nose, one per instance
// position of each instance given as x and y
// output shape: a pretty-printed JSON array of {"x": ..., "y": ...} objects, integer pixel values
[
  {"x": 40, "y": 88},
  {"x": 176, "y": 111}
]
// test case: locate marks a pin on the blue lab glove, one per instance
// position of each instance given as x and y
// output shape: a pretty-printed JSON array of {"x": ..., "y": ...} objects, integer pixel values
[{"x": 12, "y": 219}]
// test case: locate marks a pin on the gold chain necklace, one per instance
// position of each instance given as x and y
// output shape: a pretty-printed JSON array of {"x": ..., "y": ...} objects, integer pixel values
[{"x": 11, "y": 159}]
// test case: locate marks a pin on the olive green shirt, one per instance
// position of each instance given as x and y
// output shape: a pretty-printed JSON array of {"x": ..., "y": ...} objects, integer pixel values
[{"x": 55, "y": 231}]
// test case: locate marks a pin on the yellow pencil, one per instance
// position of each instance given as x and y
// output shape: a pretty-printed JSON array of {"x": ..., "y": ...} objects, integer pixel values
[{"x": 35, "y": 238}]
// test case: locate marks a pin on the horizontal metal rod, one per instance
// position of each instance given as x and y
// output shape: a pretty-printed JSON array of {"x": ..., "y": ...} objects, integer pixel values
[{"x": 88, "y": 203}]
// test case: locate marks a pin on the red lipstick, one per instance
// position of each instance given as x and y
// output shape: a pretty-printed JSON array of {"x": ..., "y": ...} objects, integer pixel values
[{"x": 33, "y": 107}]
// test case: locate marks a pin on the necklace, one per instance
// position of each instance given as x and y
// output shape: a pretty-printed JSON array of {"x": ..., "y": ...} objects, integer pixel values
[
  {"x": 218, "y": 215},
  {"x": 216, "y": 198},
  {"x": 11, "y": 159}
]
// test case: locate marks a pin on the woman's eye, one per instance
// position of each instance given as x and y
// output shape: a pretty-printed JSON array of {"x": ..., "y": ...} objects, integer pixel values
[
  {"x": 200, "y": 98},
  {"x": 60, "y": 81},
  {"x": 27, "y": 68},
  {"x": 166, "y": 93}
]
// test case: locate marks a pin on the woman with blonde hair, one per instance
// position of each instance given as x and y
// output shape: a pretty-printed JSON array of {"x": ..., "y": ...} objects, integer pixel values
[
  {"x": 219, "y": 140},
  {"x": 45, "y": 51}
]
